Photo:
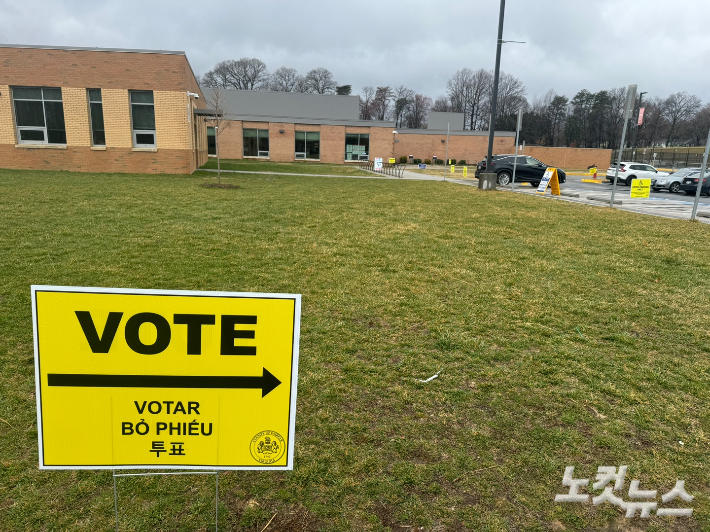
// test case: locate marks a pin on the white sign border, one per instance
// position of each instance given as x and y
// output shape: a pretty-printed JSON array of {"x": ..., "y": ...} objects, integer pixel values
[{"x": 143, "y": 291}]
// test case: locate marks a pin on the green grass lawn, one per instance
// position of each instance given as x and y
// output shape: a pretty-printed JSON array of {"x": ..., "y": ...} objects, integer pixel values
[
  {"x": 252, "y": 165},
  {"x": 565, "y": 335}
]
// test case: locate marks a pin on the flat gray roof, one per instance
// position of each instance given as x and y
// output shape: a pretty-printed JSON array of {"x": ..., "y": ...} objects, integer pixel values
[
  {"x": 271, "y": 106},
  {"x": 88, "y": 49},
  {"x": 438, "y": 120}
]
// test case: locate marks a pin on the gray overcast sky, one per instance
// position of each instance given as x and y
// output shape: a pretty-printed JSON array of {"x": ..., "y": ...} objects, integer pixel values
[{"x": 571, "y": 44}]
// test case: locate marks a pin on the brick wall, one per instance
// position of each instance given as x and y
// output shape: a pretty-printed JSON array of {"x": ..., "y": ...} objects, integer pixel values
[
  {"x": 570, "y": 158},
  {"x": 95, "y": 69},
  {"x": 85, "y": 159},
  {"x": 332, "y": 142},
  {"x": 468, "y": 147},
  {"x": 180, "y": 140},
  {"x": 7, "y": 117}
]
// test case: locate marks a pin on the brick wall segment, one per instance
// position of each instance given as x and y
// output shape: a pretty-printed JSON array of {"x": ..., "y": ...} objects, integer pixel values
[
  {"x": 76, "y": 116},
  {"x": 179, "y": 137},
  {"x": 86, "y": 159},
  {"x": 93, "y": 69},
  {"x": 7, "y": 117},
  {"x": 571, "y": 158}
]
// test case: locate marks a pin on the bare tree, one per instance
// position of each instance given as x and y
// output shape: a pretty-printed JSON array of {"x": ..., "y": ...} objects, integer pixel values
[
  {"x": 403, "y": 98},
  {"x": 381, "y": 102},
  {"x": 286, "y": 80},
  {"x": 441, "y": 105},
  {"x": 368, "y": 94},
  {"x": 216, "y": 101},
  {"x": 418, "y": 112},
  {"x": 320, "y": 80},
  {"x": 479, "y": 103},
  {"x": 678, "y": 109},
  {"x": 219, "y": 76},
  {"x": 700, "y": 125},
  {"x": 511, "y": 97},
  {"x": 469, "y": 93},
  {"x": 248, "y": 73}
]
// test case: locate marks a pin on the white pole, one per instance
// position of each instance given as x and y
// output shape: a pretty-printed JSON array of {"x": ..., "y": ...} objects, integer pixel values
[
  {"x": 630, "y": 102},
  {"x": 517, "y": 137},
  {"x": 446, "y": 161},
  {"x": 701, "y": 177}
]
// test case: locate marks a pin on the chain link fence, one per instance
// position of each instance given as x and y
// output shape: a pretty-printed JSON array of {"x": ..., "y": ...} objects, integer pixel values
[{"x": 667, "y": 158}]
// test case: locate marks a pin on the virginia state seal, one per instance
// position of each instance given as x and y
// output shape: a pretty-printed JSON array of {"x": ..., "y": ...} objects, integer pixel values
[{"x": 267, "y": 447}]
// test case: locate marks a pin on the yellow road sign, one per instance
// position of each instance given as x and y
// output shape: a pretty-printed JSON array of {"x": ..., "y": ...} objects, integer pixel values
[
  {"x": 549, "y": 178},
  {"x": 392, "y": 160},
  {"x": 640, "y": 188},
  {"x": 165, "y": 379},
  {"x": 453, "y": 169},
  {"x": 465, "y": 171}
]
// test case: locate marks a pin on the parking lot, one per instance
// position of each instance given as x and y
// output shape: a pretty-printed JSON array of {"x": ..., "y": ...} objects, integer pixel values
[{"x": 665, "y": 204}]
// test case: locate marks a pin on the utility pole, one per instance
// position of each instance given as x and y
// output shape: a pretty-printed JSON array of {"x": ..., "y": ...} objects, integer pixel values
[{"x": 496, "y": 76}]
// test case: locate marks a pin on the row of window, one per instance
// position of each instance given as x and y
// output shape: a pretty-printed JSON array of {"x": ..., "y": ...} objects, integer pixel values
[
  {"x": 39, "y": 116},
  {"x": 307, "y": 145}
]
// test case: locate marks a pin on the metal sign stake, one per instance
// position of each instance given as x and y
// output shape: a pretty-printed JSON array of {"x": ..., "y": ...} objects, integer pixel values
[
  {"x": 700, "y": 179},
  {"x": 517, "y": 137},
  {"x": 630, "y": 102}
]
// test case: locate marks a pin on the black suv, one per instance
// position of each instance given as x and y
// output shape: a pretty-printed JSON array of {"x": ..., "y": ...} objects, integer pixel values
[{"x": 527, "y": 170}]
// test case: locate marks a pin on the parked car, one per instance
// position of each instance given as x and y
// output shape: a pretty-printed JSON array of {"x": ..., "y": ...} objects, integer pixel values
[
  {"x": 628, "y": 171},
  {"x": 673, "y": 182},
  {"x": 527, "y": 169},
  {"x": 690, "y": 185}
]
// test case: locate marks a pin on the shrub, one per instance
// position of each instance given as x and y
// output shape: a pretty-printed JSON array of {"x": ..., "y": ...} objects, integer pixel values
[
  {"x": 417, "y": 161},
  {"x": 439, "y": 161},
  {"x": 403, "y": 159},
  {"x": 453, "y": 161},
  {"x": 462, "y": 162},
  {"x": 427, "y": 161}
]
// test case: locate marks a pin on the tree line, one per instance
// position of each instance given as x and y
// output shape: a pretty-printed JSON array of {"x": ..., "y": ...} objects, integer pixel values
[
  {"x": 587, "y": 120},
  {"x": 250, "y": 73}
]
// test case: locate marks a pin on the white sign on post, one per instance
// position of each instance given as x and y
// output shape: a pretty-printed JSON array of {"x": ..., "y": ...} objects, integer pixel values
[
  {"x": 378, "y": 163},
  {"x": 542, "y": 187}
]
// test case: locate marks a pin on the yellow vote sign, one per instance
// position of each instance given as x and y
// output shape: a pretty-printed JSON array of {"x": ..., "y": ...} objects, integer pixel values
[
  {"x": 549, "y": 179},
  {"x": 392, "y": 160},
  {"x": 165, "y": 379},
  {"x": 640, "y": 188}
]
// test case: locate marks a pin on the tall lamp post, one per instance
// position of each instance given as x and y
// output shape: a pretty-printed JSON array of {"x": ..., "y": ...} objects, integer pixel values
[{"x": 494, "y": 103}]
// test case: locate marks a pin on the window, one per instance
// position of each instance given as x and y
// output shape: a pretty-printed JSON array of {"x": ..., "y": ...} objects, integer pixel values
[
  {"x": 211, "y": 141},
  {"x": 39, "y": 115},
  {"x": 534, "y": 162},
  {"x": 307, "y": 145},
  {"x": 256, "y": 143},
  {"x": 143, "y": 119},
  {"x": 96, "y": 116},
  {"x": 357, "y": 146}
]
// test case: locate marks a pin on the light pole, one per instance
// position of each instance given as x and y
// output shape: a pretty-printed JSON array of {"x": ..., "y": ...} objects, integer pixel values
[
  {"x": 494, "y": 101},
  {"x": 394, "y": 141},
  {"x": 446, "y": 161}
]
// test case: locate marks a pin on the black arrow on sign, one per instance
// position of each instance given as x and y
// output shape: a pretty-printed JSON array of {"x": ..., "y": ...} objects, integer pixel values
[{"x": 266, "y": 382}]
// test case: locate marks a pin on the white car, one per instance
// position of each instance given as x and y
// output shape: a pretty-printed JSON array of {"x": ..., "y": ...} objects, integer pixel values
[{"x": 628, "y": 171}]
